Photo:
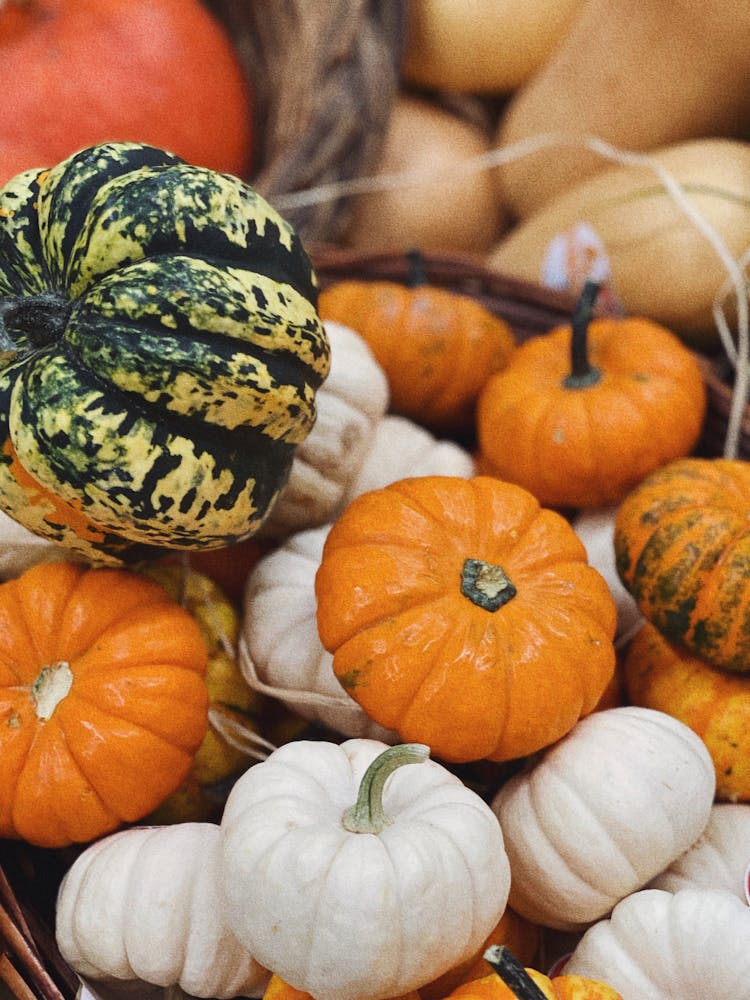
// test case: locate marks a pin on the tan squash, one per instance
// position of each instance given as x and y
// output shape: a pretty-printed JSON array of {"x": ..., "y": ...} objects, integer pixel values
[
  {"x": 661, "y": 265},
  {"x": 639, "y": 76}
]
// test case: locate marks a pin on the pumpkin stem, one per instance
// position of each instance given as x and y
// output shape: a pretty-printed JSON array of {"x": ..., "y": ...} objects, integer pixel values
[
  {"x": 50, "y": 687},
  {"x": 486, "y": 584},
  {"x": 367, "y": 815},
  {"x": 417, "y": 272},
  {"x": 582, "y": 373},
  {"x": 512, "y": 973},
  {"x": 37, "y": 319}
]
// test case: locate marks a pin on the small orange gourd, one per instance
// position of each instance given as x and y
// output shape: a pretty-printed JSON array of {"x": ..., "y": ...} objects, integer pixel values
[
  {"x": 682, "y": 549},
  {"x": 582, "y": 414},
  {"x": 463, "y": 615},
  {"x": 103, "y": 702},
  {"x": 437, "y": 347},
  {"x": 714, "y": 703}
]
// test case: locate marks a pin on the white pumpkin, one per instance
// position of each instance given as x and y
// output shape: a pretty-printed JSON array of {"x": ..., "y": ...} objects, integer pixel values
[
  {"x": 400, "y": 448},
  {"x": 693, "y": 944},
  {"x": 355, "y": 875},
  {"x": 349, "y": 404},
  {"x": 280, "y": 652},
  {"x": 143, "y": 904},
  {"x": 596, "y": 529},
  {"x": 602, "y": 812},
  {"x": 720, "y": 857},
  {"x": 20, "y": 549}
]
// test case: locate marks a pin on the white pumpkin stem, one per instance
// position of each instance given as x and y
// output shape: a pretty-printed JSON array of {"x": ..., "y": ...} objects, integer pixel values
[
  {"x": 50, "y": 687},
  {"x": 367, "y": 814},
  {"x": 512, "y": 973}
]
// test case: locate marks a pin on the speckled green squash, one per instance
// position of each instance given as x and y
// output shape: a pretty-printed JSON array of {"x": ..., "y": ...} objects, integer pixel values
[
  {"x": 161, "y": 350},
  {"x": 682, "y": 549}
]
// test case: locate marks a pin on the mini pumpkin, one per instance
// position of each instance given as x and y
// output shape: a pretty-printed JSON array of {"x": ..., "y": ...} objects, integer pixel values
[
  {"x": 682, "y": 545},
  {"x": 511, "y": 981},
  {"x": 462, "y": 614},
  {"x": 582, "y": 414},
  {"x": 436, "y": 346},
  {"x": 598, "y": 815},
  {"x": 102, "y": 700},
  {"x": 690, "y": 944},
  {"x": 357, "y": 871},
  {"x": 143, "y": 905},
  {"x": 162, "y": 351},
  {"x": 712, "y": 702}
]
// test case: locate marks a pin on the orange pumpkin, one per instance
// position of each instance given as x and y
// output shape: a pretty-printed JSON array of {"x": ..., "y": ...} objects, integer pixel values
[
  {"x": 713, "y": 703},
  {"x": 279, "y": 989},
  {"x": 161, "y": 72},
  {"x": 436, "y": 346},
  {"x": 582, "y": 414},
  {"x": 682, "y": 549},
  {"x": 511, "y": 981},
  {"x": 463, "y": 615},
  {"x": 102, "y": 701}
]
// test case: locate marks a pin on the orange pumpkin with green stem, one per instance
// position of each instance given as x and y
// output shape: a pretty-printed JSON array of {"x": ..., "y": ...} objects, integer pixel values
[
  {"x": 582, "y": 414},
  {"x": 462, "y": 614},
  {"x": 102, "y": 701}
]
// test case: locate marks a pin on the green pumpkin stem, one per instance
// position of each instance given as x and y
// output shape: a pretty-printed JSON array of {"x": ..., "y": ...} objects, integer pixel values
[
  {"x": 582, "y": 372},
  {"x": 367, "y": 815},
  {"x": 417, "y": 274},
  {"x": 512, "y": 973},
  {"x": 39, "y": 319}
]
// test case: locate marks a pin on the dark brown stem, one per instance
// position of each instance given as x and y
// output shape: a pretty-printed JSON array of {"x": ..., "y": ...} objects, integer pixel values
[
  {"x": 417, "y": 271},
  {"x": 512, "y": 973},
  {"x": 582, "y": 372}
]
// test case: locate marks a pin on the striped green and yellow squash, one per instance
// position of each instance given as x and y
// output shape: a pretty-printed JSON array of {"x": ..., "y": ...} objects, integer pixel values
[{"x": 160, "y": 353}]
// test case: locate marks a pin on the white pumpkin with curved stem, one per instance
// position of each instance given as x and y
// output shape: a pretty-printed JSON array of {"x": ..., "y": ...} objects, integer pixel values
[
  {"x": 349, "y": 405},
  {"x": 658, "y": 945},
  {"x": 602, "y": 812},
  {"x": 355, "y": 875},
  {"x": 719, "y": 858},
  {"x": 401, "y": 448},
  {"x": 280, "y": 652},
  {"x": 143, "y": 905}
]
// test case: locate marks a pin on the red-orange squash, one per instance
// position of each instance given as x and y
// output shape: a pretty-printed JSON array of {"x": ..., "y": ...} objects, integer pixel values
[
  {"x": 463, "y": 615},
  {"x": 161, "y": 72},
  {"x": 682, "y": 549},
  {"x": 712, "y": 702},
  {"x": 582, "y": 414},
  {"x": 437, "y": 347},
  {"x": 102, "y": 701}
]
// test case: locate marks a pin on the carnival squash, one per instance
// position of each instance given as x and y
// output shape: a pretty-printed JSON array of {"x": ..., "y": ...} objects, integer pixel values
[
  {"x": 102, "y": 699},
  {"x": 598, "y": 815},
  {"x": 436, "y": 346},
  {"x": 463, "y": 615},
  {"x": 161, "y": 353},
  {"x": 713, "y": 702},
  {"x": 682, "y": 544},
  {"x": 690, "y": 944},
  {"x": 582, "y": 414},
  {"x": 357, "y": 871},
  {"x": 143, "y": 905}
]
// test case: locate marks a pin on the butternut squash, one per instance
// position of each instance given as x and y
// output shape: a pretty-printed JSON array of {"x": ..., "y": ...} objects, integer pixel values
[
  {"x": 485, "y": 46},
  {"x": 639, "y": 76},
  {"x": 661, "y": 265}
]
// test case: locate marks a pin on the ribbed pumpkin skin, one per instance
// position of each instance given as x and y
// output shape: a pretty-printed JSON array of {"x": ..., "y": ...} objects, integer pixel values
[
  {"x": 164, "y": 350},
  {"x": 682, "y": 549}
]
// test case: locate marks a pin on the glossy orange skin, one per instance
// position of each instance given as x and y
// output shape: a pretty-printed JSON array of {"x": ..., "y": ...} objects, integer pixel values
[
  {"x": 437, "y": 347},
  {"x": 423, "y": 659},
  {"x": 682, "y": 548},
  {"x": 124, "y": 736},
  {"x": 155, "y": 71},
  {"x": 713, "y": 703},
  {"x": 589, "y": 446},
  {"x": 491, "y": 987}
]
